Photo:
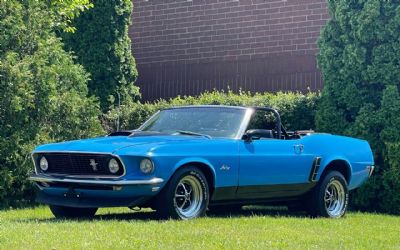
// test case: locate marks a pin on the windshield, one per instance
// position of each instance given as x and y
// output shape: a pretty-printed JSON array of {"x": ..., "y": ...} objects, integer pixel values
[{"x": 211, "y": 121}]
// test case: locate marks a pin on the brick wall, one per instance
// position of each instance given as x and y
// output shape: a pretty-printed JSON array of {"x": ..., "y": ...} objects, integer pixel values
[{"x": 185, "y": 47}]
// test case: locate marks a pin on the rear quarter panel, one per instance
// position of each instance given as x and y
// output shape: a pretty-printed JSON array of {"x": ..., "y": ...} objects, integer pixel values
[{"x": 357, "y": 153}]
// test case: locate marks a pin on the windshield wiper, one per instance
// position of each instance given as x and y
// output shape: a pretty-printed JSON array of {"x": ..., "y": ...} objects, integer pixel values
[{"x": 184, "y": 132}]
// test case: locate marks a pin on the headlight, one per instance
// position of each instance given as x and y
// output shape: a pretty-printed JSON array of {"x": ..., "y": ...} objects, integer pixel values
[
  {"x": 43, "y": 164},
  {"x": 146, "y": 166},
  {"x": 113, "y": 166}
]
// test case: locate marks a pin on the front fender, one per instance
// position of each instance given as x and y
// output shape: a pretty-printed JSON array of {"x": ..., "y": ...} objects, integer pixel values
[{"x": 194, "y": 160}]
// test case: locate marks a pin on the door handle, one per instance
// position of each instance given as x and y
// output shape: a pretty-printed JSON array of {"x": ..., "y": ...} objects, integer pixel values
[{"x": 298, "y": 149}]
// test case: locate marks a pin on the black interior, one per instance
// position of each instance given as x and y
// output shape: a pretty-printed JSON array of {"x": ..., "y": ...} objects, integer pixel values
[{"x": 264, "y": 125}]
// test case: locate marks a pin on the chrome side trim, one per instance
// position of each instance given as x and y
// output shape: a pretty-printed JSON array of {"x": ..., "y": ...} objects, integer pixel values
[
  {"x": 40, "y": 178},
  {"x": 205, "y": 106},
  {"x": 314, "y": 169},
  {"x": 80, "y": 152},
  {"x": 370, "y": 170}
]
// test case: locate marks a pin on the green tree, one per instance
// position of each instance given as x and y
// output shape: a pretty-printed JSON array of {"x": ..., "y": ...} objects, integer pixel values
[
  {"x": 43, "y": 94},
  {"x": 102, "y": 45},
  {"x": 360, "y": 62},
  {"x": 64, "y": 11}
]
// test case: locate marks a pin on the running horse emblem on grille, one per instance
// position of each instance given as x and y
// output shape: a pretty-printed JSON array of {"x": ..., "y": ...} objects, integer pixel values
[{"x": 93, "y": 164}]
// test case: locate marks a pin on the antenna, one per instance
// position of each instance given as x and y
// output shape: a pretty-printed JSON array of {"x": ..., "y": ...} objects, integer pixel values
[{"x": 119, "y": 109}]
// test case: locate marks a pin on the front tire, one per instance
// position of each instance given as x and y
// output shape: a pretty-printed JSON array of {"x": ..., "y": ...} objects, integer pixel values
[
  {"x": 330, "y": 197},
  {"x": 72, "y": 212},
  {"x": 185, "y": 196}
]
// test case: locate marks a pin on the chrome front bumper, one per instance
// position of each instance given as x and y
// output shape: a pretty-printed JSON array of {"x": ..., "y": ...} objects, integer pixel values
[{"x": 46, "y": 179}]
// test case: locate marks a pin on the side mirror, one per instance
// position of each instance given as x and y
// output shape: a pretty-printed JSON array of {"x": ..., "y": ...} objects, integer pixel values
[
  {"x": 247, "y": 137},
  {"x": 256, "y": 134}
]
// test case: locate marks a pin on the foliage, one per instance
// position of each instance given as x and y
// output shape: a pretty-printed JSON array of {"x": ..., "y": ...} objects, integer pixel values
[
  {"x": 252, "y": 228},
  {"x": 43, "y": 94},
  {"x": 103, "y": 47},
  {"x": 64, "y": 11},
  {"x": 297, "y": 110},
  {"x": 359, "y": 58}
]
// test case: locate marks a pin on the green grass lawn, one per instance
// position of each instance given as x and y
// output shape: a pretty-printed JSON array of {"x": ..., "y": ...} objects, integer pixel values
[{"x": 254, "y": 228}]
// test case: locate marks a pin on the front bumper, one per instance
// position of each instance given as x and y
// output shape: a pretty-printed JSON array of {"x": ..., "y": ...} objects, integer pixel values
[
  {"x": 74, "y": 192},
  {"x": 99, "y": 181}
]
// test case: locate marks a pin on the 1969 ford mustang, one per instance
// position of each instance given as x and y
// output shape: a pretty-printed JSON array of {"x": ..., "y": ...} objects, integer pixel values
[{"x": 185, "y": 160}]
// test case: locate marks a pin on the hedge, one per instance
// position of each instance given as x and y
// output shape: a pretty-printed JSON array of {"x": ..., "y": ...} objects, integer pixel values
[{"x": 297, "y": 110}]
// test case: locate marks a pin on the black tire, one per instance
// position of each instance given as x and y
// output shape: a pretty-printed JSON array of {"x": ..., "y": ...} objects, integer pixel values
[
  {"x": 323, "y": 202},
  {"x": 72, "y": 212},
  {"x": 193, "y": 205}
]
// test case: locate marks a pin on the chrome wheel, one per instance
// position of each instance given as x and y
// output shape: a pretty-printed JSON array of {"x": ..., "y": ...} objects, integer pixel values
[
  {"x": 335, "y": 198},
  {"x": 188, "y": 198}
]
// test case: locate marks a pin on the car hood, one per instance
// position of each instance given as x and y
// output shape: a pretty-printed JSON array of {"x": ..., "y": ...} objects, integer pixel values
[{"x": 112, "y": 144}]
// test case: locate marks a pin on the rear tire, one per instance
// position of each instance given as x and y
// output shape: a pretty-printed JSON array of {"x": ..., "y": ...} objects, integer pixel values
[
  {"x": 72, "y": 212},
  {"x": 330, "y": 197},
  {"x": 185, "y": 196}
]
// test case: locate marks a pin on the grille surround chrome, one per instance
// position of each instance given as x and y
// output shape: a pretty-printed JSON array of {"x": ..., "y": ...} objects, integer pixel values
[{"x": 35, "y": 155}]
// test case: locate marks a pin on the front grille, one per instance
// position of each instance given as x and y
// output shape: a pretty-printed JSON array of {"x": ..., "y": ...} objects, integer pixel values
[{"x": 78, "y": 164}]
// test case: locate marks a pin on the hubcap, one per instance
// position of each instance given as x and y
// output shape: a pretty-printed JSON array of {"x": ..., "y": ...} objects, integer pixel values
[
  {"x": 335, "y": 198},
  {"x": 188, "y": 197}
]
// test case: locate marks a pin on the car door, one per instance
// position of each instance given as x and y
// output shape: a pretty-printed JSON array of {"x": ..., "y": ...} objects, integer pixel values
[{"x": 273, "y": 168}]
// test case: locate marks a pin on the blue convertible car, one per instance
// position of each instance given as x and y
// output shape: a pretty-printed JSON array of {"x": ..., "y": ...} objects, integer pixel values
[{"x": 185, "y": 160}]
